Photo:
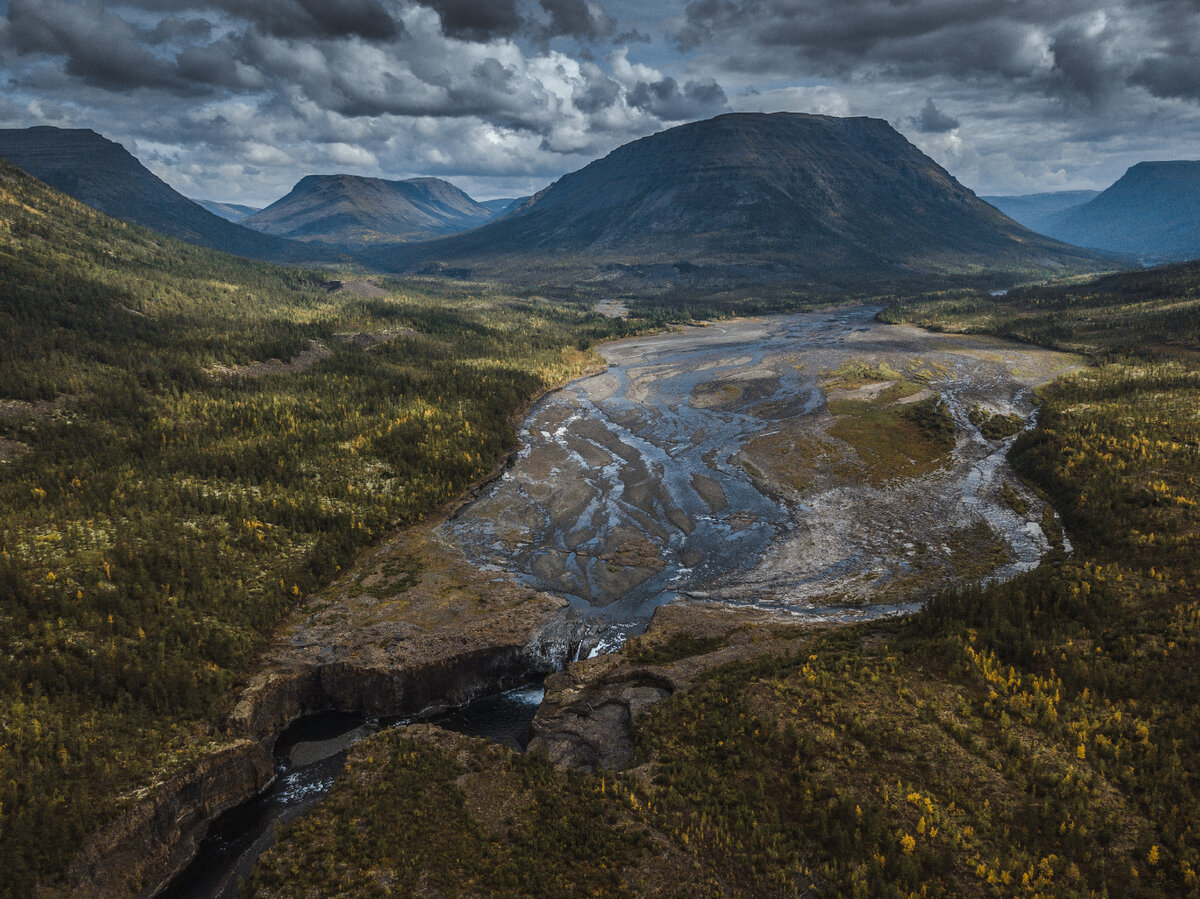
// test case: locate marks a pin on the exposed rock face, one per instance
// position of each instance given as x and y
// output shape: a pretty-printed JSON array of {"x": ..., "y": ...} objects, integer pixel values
[
  {"x": 103, "y": 174},
  {"x": 140, "y": 853},
  {"x": 348, "y": 210},
  {"x": 586, "y": 720},
  {"x": 413, "y": 627},
  {"x": 1152, "y": 211},
  {"x": 822, "y": 199}
]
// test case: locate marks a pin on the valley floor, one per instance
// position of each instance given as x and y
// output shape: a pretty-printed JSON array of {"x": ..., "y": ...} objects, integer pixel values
[{"x": 1033, "y": 737}]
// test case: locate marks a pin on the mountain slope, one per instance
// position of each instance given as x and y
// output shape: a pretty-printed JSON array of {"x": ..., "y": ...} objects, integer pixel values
[
  {"x": 823, "y": 201},
  {"x": 503, "y": 205},
  {"x": 348, "y": 210},
  {"x": 105, "y": 176},
  {"x": 1153, "y": 211},
  {"x": 231, "y": 212},
  {"x": 1033, "y": 210}
]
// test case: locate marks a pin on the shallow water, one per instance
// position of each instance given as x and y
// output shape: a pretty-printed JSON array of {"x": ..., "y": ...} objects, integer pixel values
[
  {"x": 309, "y": 755},
  {"x": 641, "y": 485}
]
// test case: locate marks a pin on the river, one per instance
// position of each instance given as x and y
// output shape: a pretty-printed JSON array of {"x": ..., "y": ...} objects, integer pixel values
[{"x": 706, "y": 464}]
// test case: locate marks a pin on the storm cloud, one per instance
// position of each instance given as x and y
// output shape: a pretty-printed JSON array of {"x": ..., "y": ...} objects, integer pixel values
[
  {"x": 932, "y": 120},
  {"x": 238, "y": 99}
]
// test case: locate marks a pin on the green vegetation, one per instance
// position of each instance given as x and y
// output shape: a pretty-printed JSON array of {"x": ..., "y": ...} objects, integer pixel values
[
  {"x": 894, "y": 439},
  {"x": 159, "y": 517},
  {"x": 680, "y": 646},
  {"x": 996, "y": 425},
  {"x": 1037, "y": 737},
  {"x": 424, "y": 820}
]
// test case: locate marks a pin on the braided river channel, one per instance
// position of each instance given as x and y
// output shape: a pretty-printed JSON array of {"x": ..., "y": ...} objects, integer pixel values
[
  {"x": 707, "y": 464},
  {"x": 748, "y": 462}
]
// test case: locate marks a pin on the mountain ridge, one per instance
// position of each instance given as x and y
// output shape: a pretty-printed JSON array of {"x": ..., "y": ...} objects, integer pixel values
[
  {"x": 104, "y": 175},
  {"x": 1152, "y": 211},
  {"x": 347, "y": 210},
  {"x": 1033, "y": 210},
  {"x": 751, "y": 197}
]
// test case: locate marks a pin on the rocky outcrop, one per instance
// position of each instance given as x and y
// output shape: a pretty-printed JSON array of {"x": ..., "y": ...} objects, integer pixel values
[
  {"x": 411, "y": 628},
  {"x": 142, "y": 851},
  {"x": 586, "y": 720}
]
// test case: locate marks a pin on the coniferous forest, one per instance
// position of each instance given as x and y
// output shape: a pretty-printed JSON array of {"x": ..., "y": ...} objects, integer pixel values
[
  {"x": 165, "y": 498},
  {"x": 1038, "y": 737}
]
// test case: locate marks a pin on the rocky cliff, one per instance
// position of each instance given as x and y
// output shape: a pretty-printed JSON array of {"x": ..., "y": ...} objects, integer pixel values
[
  {"x": 586, "y": 720},
  {"x": 413, "y": 627}
]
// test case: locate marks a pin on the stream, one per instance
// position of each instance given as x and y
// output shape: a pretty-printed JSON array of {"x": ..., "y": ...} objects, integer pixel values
[
  {"x": 309, "y": 755},
  {"x": 704, "y": 464}
]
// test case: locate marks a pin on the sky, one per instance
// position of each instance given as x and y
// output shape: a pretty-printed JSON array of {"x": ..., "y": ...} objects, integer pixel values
[{"x": 236, "y": 100}]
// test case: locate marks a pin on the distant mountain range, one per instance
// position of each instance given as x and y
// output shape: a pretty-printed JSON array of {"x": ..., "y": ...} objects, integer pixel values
[
  {"x": 503, "y": 206},
  {"x": 103, "y": 174},
  {"x": 811, "y": 203},
  {"x": 816, "y": 201},
  {"x": 231, "y": 212},
  {"x": 1152, "y": 212},
  {"x": 349, "y": 211},
  {"x": 1035, "y": 210}
]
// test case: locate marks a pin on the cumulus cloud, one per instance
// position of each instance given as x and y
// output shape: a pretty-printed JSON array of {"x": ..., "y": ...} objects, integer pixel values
[
  {"x": 578, "y": 18},
  {"x": 98, "y": 47},
  {"x": 475, "y": 21}
]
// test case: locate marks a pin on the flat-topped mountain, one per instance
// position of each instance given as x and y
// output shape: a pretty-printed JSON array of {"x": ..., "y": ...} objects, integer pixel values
[
  {"x": 1153, "y": 211},
  {"x": 1034, "y": 210},
  {"x": 348, "y": 210},
  {"x": 816, "y": 200},
  {"x": 105, "y": 176}
]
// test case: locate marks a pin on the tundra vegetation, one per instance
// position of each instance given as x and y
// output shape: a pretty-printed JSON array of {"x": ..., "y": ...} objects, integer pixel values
[{"x": 1034, "y": 737}]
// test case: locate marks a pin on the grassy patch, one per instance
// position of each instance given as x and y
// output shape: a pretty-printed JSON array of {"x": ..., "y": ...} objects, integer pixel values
[
  {"x": 996, "y": 425},
  {"x": 894, "y": 441},
  {"x": 854, "y": 373}
]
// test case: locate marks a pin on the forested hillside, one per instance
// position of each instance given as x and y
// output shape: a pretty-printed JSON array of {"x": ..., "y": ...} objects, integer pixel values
[
  {"x": 165, "y": 498},
  {"x": 1037, "y": 737}
]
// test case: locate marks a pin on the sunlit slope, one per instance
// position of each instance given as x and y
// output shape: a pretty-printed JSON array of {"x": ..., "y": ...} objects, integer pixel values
[
  {"x": 348, "y": 210},
  {"x": 164, "y": 501},
  {"x": 105, "y": 176}
]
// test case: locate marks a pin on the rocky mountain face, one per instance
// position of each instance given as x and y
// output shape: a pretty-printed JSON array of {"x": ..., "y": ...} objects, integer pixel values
[
  {"x": 1153, "y": 212},
  {"x": 823, "y": 201},
  {"x": 1035, "y": 210},
  {"x": 105, "y": 176},
  {"x": 346, "y": 210}
]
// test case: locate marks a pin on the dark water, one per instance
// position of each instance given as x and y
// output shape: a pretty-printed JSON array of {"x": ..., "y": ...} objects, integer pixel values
[{"x": 309, "y": 755}]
